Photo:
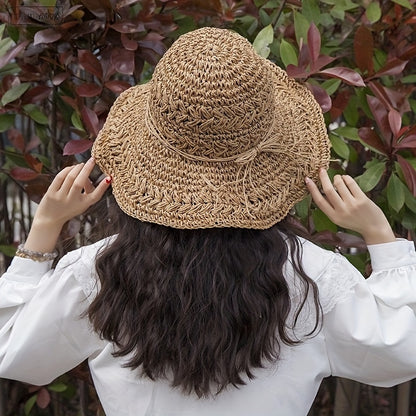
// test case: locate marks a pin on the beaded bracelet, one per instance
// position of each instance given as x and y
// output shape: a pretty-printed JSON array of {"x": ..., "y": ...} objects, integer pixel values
[{"x": 34, "y": 255}]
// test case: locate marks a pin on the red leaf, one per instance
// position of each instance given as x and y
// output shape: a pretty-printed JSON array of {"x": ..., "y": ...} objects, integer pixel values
[
  {"x": 129, "y": 44},
  {"x": 90, "y": 119},
  {"x": 34, "y": 142},
  {"x": 411, "y": 20},
  {"x": 394, "y": 66},
  {"x": 340, "y": 103},
  {"x": 128, "y": 27},
  {"x": 37, "y": 188},
  {"x": 73, "y": 147},
  {"x": 296, "y": 71},
  {"x": 363, "y": 49},
  {"x": 43, "y": 399},
  {"x": 60, "y": 78},
  {"x": 379, "y": 112},
  {"x": 117, "y": 86},
  {"x": 395, "y": 122},
  {"x": 12, "y": 53},
  {"x": 154, "y": 45},
  {"x": 348, "y": 75},
  {"x": 371, "y": 138},
  {"x": 23, "y": 174},
  {"x": 123, "y": 61},
  {"x": 408, "y": 54},
  {"x": 304, "y": 58},
  {"x": 16, "y": 139},
  {"x": 409, "y": 174},
  {"x": 88, "y": 90},
  {"x": 322, "y": 61},
  {"x": 46, "y": 36},
  {"x": 33, "y": 163},
  {"x": 90, "y": 63},
  {"x": 381, "y": 93},
  {"x": 314, "y": 42},
  {"x": 70, "y": 101},
  {"x": 407, "y": 142},
  {"x": 36, "y": 94},
  {"x": 321, "y": 96}
]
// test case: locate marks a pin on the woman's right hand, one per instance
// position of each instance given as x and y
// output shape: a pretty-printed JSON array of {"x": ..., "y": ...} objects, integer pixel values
[{"x": 346, "y": 205}]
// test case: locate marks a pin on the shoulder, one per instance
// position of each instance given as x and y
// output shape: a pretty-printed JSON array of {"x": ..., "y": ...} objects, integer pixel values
[
  {"x": 80, "y": 263},
  {"x": 333, "y": 274}
]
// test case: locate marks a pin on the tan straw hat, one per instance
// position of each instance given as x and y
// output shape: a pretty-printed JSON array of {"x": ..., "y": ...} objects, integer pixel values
[{"x": 220, "y": 137}]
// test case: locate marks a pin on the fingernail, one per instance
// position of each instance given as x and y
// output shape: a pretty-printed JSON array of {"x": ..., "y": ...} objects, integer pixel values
[
  {"x": 91, "y": 160},
  {"x": 308, "y": 180},
  {"x": 108, "y": 180}
]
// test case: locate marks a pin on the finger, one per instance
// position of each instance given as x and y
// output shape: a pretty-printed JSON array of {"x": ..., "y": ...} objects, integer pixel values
[
  {"x": 70, "y": 178},
  {"x": 60, "y": 178},
  {"x": 328, "y": 189},
  {"x": 353, "y": 186},
  {"x": 99, "y": 191},
  {"x": 89, "y": 187},
  {"x": 317, "y": 197},
  {"x": 82, "y": 181},
  {"x": 341, "y": 188}
]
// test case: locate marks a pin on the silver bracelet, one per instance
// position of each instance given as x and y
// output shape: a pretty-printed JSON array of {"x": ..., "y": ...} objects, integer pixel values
[{"x": 34, "y": 255}]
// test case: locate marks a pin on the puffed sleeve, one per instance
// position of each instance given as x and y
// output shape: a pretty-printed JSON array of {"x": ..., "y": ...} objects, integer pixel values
[
  {"x": 42, "y": 331},
  {"x": 371, "y": 332}
]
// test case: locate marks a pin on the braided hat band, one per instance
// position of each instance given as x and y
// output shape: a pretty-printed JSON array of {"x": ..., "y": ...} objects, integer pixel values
[{"x": 220, "y": 137}]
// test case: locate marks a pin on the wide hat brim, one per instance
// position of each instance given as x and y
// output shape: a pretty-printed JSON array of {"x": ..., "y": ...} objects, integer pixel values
[{"x": 152, "y": 183}]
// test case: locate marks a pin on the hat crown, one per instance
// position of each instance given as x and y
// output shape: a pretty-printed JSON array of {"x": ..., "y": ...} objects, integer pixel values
[{"x": 210, "y": 96}]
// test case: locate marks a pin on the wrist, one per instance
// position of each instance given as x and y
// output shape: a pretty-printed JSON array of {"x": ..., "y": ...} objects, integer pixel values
[
  {"x": 379, "y": 235},
  {"x": 43, "y": 235}
]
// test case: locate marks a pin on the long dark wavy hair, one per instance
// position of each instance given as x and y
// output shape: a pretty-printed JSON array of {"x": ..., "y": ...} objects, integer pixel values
[{"x": 201, "y": 308}]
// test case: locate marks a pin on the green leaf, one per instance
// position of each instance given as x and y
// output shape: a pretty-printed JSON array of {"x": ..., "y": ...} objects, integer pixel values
[
  {"x": 265, "y": 19},
  {"x": 331, "y": 85},
  {"x": 347, "y": 132},
  {"x": 36, "y": 114},
  {"x": 395, "y": 193},
  {"x": 410, "y": 200},
  {"x": 310, "y": 9},
  {"x": 271, "y": 4},
  {"x": 339, "y": 146},
  {"x": 6, "y": 121},
  {"x": 409, "y": 79},
  {"x": 409, "y": 221},
  {"x": 288, "y": 53},
  {"x": 351, "y": 111},
  {"x": 29, "y": 404},
  {"x": 2, "y": 27},
  {"x": 301, "y": 27},
  {"x": 372, "y": 175},
  {"x": 263, "y": 40},
  {"x": 322, "y": 222},
  {"x": 58, "y": 387},
  {"x": 14, "y": 93},
  {"x": 9, "y": 69},
  {"x": 404, "y": 3},
  {"x": 8, "y": 250},
  {"x": 302, "y": 207},
  {"x": 76, "y": 121},
  {"x": 373, "y": 12},
  {"x": 5, "y": 45}
]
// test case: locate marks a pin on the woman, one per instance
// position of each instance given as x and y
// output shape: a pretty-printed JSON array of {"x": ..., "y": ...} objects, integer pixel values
[{"x": 206, "y": 302}]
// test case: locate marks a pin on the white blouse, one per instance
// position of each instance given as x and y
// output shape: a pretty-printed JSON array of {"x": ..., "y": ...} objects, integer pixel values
[{"x": 368, "y": 334}]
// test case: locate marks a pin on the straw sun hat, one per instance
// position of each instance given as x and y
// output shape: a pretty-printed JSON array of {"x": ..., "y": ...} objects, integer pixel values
[{"x": 220, "y": 137}]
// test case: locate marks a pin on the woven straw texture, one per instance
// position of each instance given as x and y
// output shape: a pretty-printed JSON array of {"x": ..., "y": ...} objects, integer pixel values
[{"x": 220, "y": 137}]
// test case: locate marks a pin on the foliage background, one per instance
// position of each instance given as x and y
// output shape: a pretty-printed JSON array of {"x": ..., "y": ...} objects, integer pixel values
[{"x": 63, "y": 62}]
